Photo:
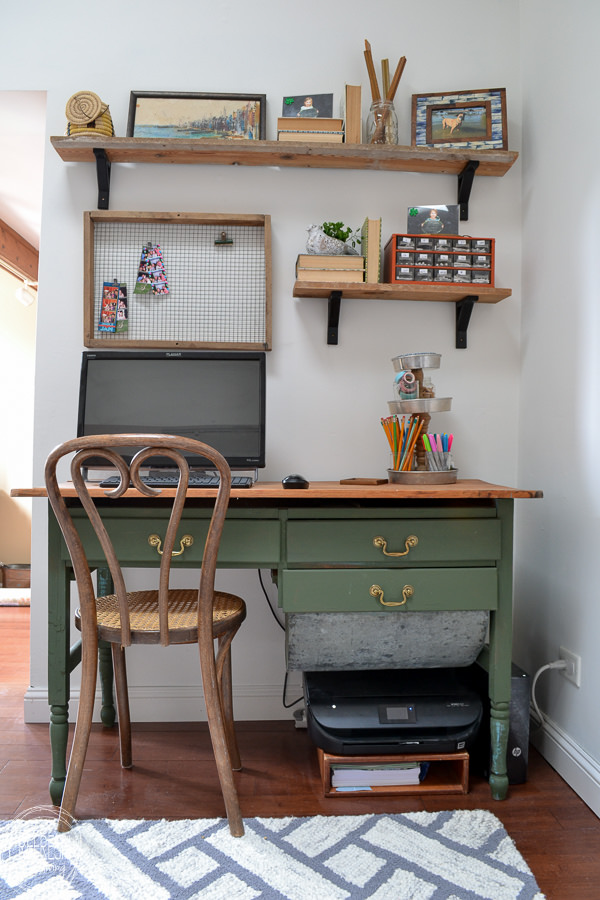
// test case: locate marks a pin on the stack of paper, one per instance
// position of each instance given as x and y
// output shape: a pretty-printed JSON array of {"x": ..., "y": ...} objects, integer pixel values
[{"x": 371, "y": 776}]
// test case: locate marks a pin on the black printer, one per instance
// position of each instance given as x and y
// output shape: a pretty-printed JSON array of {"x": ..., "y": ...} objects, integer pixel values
[{"x": 391, "y": 711}]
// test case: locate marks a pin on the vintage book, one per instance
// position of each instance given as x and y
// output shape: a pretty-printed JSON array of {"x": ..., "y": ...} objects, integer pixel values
[
  {"x": 332, "y": 261},
  {"x": 318, "y": 124},
  {"x": 371, "y": 248},
  {"x": 331, "y": 275},
  {"x": 311, "y": 137},
  {"x": 353, "y": 114}
]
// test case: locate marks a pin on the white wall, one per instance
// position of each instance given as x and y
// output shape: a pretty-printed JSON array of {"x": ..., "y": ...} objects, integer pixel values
[
  {"x": 324, "y": 402},
  {"x": 17, "y": 364},
  {"x": 557, "y": 539}
]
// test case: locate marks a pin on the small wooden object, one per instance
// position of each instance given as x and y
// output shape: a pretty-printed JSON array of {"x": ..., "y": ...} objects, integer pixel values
[{"x": 448, "y": 773}]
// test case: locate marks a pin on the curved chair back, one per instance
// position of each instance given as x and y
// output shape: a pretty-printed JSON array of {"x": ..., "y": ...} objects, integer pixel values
[{"x": 148, "y": 446}]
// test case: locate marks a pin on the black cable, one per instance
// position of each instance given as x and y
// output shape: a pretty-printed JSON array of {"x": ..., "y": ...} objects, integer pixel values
[
  {"x": 282, "y": 626},
  {"x": 268, "y": 599},
  {"x": 293, "y": 703}
]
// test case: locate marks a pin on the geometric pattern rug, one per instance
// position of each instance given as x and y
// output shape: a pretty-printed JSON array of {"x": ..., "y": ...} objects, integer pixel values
[{"x": 410, "y": 856}]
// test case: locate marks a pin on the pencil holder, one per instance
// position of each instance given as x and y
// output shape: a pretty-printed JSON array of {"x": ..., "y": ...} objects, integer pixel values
[{"x": 382, "y": 123}]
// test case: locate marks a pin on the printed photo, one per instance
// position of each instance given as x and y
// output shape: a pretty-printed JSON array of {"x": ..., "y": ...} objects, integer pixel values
[{"x": 308, "y": 106}]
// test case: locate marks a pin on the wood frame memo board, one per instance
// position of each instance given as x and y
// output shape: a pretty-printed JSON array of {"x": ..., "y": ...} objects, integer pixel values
[{"x": 218, "y": 273}]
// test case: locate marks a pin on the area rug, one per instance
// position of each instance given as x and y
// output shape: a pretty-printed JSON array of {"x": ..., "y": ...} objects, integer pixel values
[{"x": 412, "y": 856}]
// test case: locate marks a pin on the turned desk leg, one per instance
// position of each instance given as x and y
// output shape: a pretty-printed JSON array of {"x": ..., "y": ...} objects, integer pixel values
[
  {"x": 500, "y": 657},
  {"x": 59, "y": 734},
  {"x": 105, "y": 667},
  {"x": 499, "y": 726}
]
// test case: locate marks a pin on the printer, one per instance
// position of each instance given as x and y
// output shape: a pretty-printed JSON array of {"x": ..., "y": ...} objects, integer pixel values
[{"x": 391, "y": 711}]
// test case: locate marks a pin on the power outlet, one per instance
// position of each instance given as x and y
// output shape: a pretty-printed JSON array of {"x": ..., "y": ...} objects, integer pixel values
[{"x": 572, "y": 672}]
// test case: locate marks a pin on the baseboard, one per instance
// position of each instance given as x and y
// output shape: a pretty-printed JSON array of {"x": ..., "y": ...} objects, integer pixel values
[
  {"x": 579, "y": 770},
  {"x": 177, "y": 704}
]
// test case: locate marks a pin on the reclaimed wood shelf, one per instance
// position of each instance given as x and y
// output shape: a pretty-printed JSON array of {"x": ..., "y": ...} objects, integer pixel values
[
  {"x": 381, "y": 157},
  {"x": 463, "y": 295},
  {"x": 448, "y": 773},
  {"x": 391, "y": 158}
]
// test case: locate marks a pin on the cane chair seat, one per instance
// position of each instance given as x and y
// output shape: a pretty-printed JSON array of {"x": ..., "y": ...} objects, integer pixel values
[{"x": 229, "y": 611}]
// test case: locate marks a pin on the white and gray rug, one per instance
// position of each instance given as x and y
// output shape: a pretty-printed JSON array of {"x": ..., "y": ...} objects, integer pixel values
[{"x": 412, "y": 856}]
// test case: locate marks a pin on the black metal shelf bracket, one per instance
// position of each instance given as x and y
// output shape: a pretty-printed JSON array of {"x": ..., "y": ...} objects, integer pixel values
[
  {"x": 465, "y": 183},
  {"x": 333, "y": 316},
  {"x": 464, "y": 308},
  {"x": 103, "y": 177}
]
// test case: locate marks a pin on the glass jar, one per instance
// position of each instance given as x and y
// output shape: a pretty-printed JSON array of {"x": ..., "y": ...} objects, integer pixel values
[{"x": 382, "y": 123}]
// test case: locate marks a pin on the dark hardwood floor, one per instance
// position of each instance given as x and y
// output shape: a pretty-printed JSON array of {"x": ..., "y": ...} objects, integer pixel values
[{"x": 174, "y": 777}]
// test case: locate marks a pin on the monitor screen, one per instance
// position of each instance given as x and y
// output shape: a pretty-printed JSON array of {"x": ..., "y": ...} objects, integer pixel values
[{"x": 213, "y": 396}]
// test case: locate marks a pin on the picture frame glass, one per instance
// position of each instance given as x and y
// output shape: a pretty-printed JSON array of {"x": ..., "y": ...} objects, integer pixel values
[
  {"x": 196, "y": 116},
  {"x": 464, "y": 122}
]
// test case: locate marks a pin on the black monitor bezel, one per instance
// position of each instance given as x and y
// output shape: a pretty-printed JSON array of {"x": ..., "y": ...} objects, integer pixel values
[{"x": 255, "y": 462}]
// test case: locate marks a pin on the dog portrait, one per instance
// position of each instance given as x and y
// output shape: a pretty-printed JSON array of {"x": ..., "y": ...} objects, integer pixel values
[{"x": 474, "y": 119}]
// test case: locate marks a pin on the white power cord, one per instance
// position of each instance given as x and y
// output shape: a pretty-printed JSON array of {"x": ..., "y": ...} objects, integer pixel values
[{"x": 557, "y": 664}]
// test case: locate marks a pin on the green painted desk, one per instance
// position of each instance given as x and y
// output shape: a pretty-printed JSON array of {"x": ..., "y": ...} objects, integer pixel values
[{"x": 321, "y": 544}]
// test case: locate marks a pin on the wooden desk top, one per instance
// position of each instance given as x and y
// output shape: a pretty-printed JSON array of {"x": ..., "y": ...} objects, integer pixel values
[{"x": 463, "y": 489}]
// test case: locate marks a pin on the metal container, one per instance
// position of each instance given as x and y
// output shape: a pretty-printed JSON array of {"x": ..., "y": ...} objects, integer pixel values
[
  {"x": 447, "y": 477},
  {"x": 417, "y": 361},
  {"x": 422, "y": 405}
]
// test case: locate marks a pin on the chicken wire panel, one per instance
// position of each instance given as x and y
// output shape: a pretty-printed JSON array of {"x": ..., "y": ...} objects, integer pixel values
[{"x": 217, "y": 292}]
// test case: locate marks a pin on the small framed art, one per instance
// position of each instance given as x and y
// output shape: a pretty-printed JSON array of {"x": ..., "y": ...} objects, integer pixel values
[
  {"x": 208, "y": 116},
  {"x": 307, "y": 106},
  {"x": 461, "y": 119}
]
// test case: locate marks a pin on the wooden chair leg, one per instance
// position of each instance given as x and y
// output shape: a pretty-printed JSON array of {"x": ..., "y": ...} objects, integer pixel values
[
  {"x": 226, "y": 689},
  {"x": 214, "y": 714},
  {"x": 89, "y": 669},
  {"x": 124, "y": 718}
]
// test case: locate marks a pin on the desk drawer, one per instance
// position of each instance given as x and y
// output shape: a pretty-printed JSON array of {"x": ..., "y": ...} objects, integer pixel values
[
  {"x": 245, "y": 542},
  {"x": 347, "y": 542},
  {"x": 362, "y": 590}
]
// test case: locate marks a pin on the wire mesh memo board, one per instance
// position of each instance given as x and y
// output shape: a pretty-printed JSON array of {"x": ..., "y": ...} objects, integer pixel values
[{"x": 218, "y": 271}]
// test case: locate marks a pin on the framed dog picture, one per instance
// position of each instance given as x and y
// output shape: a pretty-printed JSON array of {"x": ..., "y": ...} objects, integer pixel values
[{"x": 462, "y": 119}]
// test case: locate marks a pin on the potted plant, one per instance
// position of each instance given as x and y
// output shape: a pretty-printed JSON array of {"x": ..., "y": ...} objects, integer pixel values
[{"x": 332, "y": 238}]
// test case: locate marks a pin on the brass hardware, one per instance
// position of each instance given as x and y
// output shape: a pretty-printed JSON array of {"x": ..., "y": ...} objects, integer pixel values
[
  {"x": 186, "y": 541},
  {"x": 411, "y": 541},
  {"x": 377, "y": 592}
]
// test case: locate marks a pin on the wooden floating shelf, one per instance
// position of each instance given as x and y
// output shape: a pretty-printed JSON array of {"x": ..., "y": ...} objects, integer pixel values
[
  {"x": 433, "y": 292},
  {"x": 181, "y": 151},
  {"x": 465, "y": 296}
]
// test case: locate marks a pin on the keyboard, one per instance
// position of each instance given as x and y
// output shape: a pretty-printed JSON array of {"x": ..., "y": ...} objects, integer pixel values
[{"x": 171, "y": 479}]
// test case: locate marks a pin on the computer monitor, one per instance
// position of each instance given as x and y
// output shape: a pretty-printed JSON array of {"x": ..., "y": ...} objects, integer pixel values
[{"x": 213, "y": 396}]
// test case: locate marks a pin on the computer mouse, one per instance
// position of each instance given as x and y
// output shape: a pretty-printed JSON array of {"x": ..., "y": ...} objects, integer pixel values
[{"x": 294, "y": 481}]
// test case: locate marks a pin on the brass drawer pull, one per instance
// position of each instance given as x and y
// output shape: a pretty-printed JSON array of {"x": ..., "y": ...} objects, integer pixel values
[
  {"x": 407, "y": 591},
  {"x": 411, "y": 541},
  {"x": 155, "y": 541}
]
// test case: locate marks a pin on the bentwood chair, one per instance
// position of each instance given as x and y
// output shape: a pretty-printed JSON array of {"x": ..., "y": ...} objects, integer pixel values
[{"x": 162, "y": 616}]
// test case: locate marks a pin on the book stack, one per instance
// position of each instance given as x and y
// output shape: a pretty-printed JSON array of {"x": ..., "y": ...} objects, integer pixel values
[
  {"x": 310, "y": 129},
  {"x": 336, "y": 269},
  {"x": 365, "y": 776}
]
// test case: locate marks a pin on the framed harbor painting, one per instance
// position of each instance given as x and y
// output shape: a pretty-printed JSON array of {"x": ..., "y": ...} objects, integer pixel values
[
  {"x": 209, "y": 116},
  {"x": 461, "y": 119}
]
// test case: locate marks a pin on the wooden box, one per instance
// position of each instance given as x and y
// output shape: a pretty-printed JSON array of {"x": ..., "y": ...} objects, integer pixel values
[
  {"x": 437, "y": 259},
  {"x": 15, "y": 576},
  {"x": 448, "y": 774}
]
